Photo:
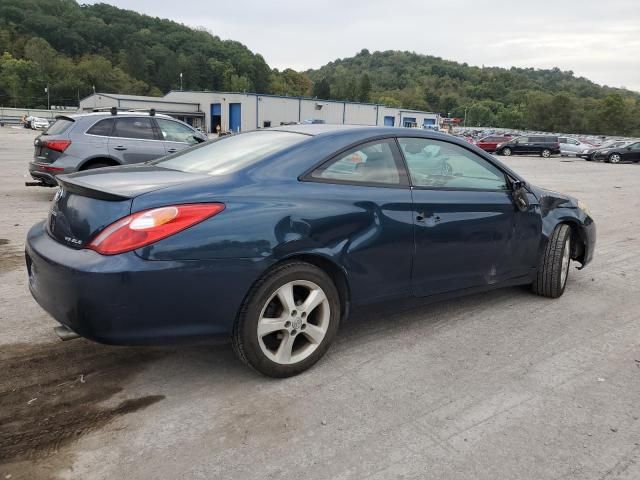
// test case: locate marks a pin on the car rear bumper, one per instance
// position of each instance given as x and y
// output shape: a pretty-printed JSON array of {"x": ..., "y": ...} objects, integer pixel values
[
  {"x": 124, "y": 299},
  {"x": 46, "y": 172}
]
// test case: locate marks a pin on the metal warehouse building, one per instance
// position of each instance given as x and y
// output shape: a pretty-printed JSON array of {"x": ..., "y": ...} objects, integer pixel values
[{"x": 249, "y": 111}]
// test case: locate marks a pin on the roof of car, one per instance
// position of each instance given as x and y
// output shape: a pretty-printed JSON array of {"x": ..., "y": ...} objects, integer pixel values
[
  {"x": 108, "y": 114},
  {"x": 327, "y": 128}
]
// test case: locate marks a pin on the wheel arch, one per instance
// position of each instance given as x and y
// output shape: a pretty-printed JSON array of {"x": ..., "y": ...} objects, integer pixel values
[
  {"x": 331, "y": 268},
  {"x": 578, "y": 239},
  {"x": 98, "y": 159}
]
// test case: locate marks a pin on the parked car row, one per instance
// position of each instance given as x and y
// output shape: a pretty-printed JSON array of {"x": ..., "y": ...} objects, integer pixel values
[{"x": 615, "y": 152}]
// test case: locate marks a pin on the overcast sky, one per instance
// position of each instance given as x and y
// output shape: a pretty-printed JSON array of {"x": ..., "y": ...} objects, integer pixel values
[{"x": 596, "y": 39}]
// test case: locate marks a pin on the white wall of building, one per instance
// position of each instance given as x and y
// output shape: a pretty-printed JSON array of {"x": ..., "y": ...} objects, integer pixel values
[
  {"x": 278, "y": 110},
  {"x": 255, "y": 109}
]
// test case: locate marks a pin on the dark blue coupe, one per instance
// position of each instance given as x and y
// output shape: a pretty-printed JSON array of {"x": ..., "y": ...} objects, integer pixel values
[{"x": 272, "y": 237}]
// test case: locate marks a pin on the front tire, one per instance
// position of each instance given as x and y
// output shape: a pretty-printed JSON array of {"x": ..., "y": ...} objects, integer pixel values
[
  {"x": 546, "y": 153},
  {"x": 553, "y": 268},
  {"x": 288, "y": 320},
  {"x": 614, "y": 158},
  {"x": 506, "y": 152}
]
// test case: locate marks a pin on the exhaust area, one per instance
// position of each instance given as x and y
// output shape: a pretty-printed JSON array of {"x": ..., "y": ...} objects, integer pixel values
[{"x": 65, "y": 333}]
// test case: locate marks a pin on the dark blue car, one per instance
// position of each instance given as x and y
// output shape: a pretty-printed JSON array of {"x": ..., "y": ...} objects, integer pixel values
[{"x": 272, "y": 237}]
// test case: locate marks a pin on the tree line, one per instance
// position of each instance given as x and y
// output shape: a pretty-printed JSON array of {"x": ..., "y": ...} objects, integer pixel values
[{"x": 72, "y": 49}]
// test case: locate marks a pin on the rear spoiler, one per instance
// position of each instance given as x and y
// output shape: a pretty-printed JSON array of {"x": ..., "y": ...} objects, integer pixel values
[
  {"x": 64, "y": 117},
  {"x": 78, "y": 186}
]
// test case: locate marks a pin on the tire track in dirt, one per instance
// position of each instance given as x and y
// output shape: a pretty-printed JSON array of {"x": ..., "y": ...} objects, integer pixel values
[{"x": 51, "y": 394}]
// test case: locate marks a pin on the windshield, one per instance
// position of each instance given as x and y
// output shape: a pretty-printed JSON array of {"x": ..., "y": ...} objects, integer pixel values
[{"x": 230, "y": 154}]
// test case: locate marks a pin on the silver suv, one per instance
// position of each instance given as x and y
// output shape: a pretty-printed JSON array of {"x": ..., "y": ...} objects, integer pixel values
[{"x": 96, "y": 140}]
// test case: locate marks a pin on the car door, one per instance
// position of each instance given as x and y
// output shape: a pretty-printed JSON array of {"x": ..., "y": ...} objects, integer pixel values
[
  {"x": 522, "y": 145},
  {"x": 135, "y": 140},
  {"x": 368, "y": 218},
  {"x": 632, "y": 152},
  {"x": 467, "y": 230},
  {"x": 176, "y": 136}
]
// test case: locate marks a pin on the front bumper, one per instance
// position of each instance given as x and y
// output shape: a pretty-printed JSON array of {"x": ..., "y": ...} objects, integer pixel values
[
  {"x": 123, "y": 299},
  {"x": 588, "y": 237}
]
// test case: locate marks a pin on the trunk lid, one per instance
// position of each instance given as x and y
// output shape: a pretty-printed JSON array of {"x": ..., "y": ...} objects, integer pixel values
[{"x": 89, "y": 201}]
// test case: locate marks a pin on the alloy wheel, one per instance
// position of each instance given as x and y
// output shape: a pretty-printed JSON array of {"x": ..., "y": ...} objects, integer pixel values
[
  {"x": 293, "y": 322},
  {"x": 506, "y": 152},
  {"x": 614, "y": 158}
]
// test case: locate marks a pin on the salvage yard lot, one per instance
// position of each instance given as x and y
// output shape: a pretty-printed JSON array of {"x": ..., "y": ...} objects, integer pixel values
[{"x": 505, "y": 385}]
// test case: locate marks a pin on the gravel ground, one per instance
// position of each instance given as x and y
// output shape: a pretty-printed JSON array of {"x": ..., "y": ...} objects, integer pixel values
[{"x": 504, "y": 385}]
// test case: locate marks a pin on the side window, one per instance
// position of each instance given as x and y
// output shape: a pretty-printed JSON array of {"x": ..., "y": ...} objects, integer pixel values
[
  {"x": 134, "y": 127},
  {"x": 176, "y": 132},
  {"x": 102, "y": 128},
  {"x": 437, "y": 164},
  {"x": 563, "y": 140},
  {"x": 372, "y": 162},
  {"x": 635, "y": 146}
]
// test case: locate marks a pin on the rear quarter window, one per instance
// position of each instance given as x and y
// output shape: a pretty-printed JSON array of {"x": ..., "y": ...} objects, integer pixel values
[
  {"x": 102, "y": 128},
  {"x": 59, "y": 126}
]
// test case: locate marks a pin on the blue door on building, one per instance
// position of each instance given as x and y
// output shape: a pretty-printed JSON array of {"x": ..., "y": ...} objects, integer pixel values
[
  {"x": 235, "y": 117},
  {"x": 216, "y": 116},
  {"x": 389, "y": 121}
]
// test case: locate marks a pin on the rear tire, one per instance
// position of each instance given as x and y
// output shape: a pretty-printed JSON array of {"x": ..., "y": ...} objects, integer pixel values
[
  {"x": 546, "y": 153},
  {"x": 553, "y": 268},
  {"x": 288, "y": 320}
]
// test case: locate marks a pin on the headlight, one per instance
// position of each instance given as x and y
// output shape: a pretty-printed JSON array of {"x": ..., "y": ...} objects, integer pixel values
[{"x": 583, "y": 206}]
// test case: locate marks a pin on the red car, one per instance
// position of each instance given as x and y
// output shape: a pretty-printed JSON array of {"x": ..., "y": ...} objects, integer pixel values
[{"x": 490, "y": 143}]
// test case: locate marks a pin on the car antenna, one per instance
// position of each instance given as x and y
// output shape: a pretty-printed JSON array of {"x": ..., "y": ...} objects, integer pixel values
[
  {"x": 152, "y": 112},
  {"x": 114, "y": 110}
]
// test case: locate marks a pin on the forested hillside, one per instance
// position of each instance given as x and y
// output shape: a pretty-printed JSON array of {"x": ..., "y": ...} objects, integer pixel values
[
  {"x": 73, "y": 48},
  {"x": 550, "y": 100}
]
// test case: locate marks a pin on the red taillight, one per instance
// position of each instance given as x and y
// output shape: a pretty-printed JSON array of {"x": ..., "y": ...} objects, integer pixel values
[
  {"x": 57, "y": 145},
  {"x": 143, "y": 228},
  {"x": 47, "y": 168}
]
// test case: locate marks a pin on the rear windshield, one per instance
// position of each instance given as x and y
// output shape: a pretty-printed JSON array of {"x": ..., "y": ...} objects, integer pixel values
[
  {"x": 59, "y": 126},
  {"x": 230, "y": 154}
]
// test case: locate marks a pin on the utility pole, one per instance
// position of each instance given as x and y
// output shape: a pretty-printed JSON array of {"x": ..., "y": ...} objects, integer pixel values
[
  {"x": 46, "y": 89},
  {"x": 180, "y": 81}
]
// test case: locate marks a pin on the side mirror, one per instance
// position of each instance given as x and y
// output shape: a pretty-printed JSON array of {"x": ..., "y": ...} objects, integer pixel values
[
  {"x": 517, "y": 185},
  {"x": 198, "y": 139},
  {"x": 519, "y": 194}
]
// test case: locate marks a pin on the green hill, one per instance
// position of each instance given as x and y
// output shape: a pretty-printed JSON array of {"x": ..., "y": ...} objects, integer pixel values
[
  {"x": 74, "y": 48},
  {"x": 550, "y": 100}
]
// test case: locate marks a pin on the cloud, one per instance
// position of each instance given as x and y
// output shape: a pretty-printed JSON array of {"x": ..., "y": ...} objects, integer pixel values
[{"x": 597, "y": 40}]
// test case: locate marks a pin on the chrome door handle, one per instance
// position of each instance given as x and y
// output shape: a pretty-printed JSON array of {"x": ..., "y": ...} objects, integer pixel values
[{"x": 172, "y": 150}]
